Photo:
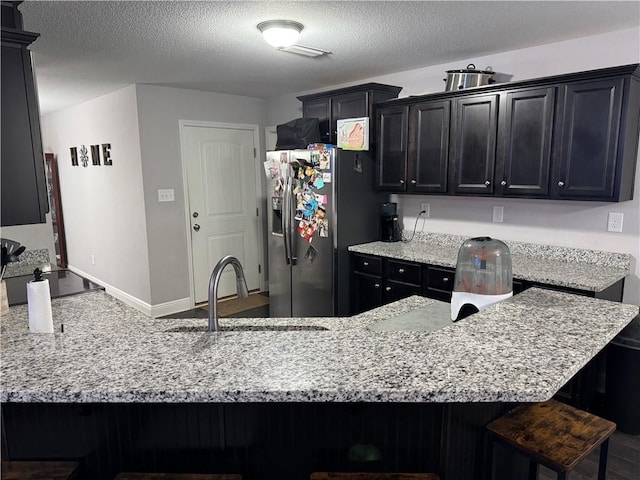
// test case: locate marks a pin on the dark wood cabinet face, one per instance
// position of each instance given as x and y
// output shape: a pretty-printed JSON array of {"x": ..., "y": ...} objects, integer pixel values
[
  {"x": 392, "y": 149},
  {"x": 367, "y": 292},
  {"x": 588, "y": 150},
  {"x": 429, "y": 146},
  {"x": 319, "y": 109},
  {"x": 474, "y": 147},
  {"x": 352, "y": 105},
  {"x": 24, "y": 191},
  {"x": 525, "y": 132}
]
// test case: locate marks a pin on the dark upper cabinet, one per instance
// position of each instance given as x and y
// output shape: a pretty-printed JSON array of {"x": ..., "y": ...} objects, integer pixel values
[
  {"x": 428, "y": 158},
  {"x": 473, "y": 146},
  {"x": 24, "y": 191},
  {"x": 321, "y": 110},
  {"x": 349, "y": 102},
  {"x": 525, "y": 129},
  {"x": 392, "y": 148},
  {"x": 588, "y": 156},
  {"x": 567, "y": 137}
]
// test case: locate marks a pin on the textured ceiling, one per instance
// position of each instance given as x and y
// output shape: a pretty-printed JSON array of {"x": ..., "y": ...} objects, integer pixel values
[{"x": 90, "y": 48}]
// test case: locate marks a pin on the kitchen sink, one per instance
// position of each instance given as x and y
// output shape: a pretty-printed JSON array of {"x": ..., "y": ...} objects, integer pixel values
[{"x": 250, "y": 328}]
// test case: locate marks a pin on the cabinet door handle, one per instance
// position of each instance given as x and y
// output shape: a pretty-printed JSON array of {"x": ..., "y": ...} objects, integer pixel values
[
  {"x": 445, "y": 279},
  {"x": 387, "y": 288},
  {"x": 401, "y": 182},
  {"x": 401, "y": 270},
  {"x": 503, "y": 183},
  {"x": 561, "y": 184},
  {"x": 413, "y": 182},
  {"x": 376, "y": 285},
  {"x": 487, "y": 183},
  {"x": 366, "y": 264}
]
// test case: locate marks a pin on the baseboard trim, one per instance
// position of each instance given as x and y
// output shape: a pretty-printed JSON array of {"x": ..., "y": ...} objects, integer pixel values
[{"x": 155, "y": 311}]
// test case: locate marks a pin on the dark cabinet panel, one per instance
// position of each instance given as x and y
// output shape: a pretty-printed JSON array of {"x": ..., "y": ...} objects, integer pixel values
[
  {"x": 438, "y": 282},
  {"x": 474, "y": 134},
  {"x": 525, "y": 133},
  {"x": 588, "y": 150},
  {"x": 392, "y": 148},
  {"x": 568, "y": 137},
  {"x": 24, "y": 192},
  {"x": 320, "y": 109},
  {"x": 367, "y": 292},
  {"x": 429, "y": 146},
  {"x": 348, "y": 102},
  {"x": 394, "y": 291}
]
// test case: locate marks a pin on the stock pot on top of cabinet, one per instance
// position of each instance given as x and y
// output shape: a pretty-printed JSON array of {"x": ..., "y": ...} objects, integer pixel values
[{"x": 468, "y": 77}]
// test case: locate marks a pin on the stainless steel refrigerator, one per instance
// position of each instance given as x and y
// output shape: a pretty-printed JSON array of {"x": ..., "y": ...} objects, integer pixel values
[{"x": 320, "y": 202}]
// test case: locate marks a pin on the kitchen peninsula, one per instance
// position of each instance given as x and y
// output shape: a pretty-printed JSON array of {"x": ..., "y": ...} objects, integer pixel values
[{"x": 119, "y": 390}]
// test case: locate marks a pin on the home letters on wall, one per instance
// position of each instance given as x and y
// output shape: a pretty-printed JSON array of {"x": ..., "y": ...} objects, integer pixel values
[{"x": 105, "y": 148}]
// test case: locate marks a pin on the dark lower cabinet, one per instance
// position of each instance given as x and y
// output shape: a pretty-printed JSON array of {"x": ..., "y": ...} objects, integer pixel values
[{"x": 439, "y": 282}]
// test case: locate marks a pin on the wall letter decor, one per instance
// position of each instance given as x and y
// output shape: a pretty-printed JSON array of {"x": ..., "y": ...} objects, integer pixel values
[
  {"x": 74, "y": 156},
  {"x": 95, "y": 154}
]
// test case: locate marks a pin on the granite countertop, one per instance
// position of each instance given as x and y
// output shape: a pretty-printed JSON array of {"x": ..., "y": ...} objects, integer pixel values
[
  {"x": 588, "y": 270},
  {"x": 523, "y": 349}
]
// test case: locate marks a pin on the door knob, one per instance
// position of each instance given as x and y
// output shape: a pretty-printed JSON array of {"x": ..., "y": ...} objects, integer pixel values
[
  {"x": 561, "y": 184},
  {"x": 487, "y": 183},
  {"x": 503, "y": 183},
  {"x": 413, "y": 182},
  {"x": 401, "y": 270},
  {"x": 401, "y": 182},
  {"x": 387, "y": 288},
  {"x": 195, "y": 214},
  {"x": 196, "y": 227},
  {"x": 376, "y": 285}
]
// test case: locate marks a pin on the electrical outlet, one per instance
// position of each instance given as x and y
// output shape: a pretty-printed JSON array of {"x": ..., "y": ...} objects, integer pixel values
[
  {"x": 166, "y": 195},
  {"x": 498, "y": 214},
  {"x": 426, "y": 208},
  {"x": 615, "y": 222}
]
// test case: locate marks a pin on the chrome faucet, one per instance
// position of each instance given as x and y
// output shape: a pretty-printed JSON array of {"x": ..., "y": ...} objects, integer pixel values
[{"x": 241, "y": 288}]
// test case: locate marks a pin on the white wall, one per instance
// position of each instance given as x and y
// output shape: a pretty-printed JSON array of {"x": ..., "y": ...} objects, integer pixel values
[
  {"x": 159, "y": 111},
  {"x": 34, "y": 237},
  {"x": 103, "y": 205},
  {"x": 573, "y": 224}
]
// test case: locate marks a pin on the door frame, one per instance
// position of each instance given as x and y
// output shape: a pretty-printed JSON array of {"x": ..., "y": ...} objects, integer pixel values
[{"x": 255, "y": 129}]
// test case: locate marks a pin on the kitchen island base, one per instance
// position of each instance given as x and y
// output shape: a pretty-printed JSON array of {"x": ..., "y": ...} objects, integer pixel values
[{"x": 260, "y": 441}]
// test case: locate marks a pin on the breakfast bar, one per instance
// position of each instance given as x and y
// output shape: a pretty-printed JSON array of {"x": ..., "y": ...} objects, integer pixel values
[{"x": 281, "y": 397}]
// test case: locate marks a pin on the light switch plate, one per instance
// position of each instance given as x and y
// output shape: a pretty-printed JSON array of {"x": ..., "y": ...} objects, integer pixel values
[{"x": 166, "y": 195}]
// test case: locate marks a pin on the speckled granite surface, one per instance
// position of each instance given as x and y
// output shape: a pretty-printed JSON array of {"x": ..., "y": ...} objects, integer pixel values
[
  {"x": 523, "y": 349},
  {"x": 29, "y": 260},
  {"x": 566, "y": 267}
]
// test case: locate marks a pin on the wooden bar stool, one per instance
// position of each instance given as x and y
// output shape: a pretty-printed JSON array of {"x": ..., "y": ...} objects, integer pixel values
[
  {"x": 178, "y": 476},
  {"x": 373, "y": 476},
  {"x": 555, "y": 435},
  {"x": 20, "y": 470}
]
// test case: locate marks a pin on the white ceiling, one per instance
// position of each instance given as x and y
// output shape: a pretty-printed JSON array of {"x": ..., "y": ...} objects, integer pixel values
[{"x": 88, "y": 48}]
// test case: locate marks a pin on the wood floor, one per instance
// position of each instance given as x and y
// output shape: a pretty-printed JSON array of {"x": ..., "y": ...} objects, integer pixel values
[{"x": 623, "y": 462}]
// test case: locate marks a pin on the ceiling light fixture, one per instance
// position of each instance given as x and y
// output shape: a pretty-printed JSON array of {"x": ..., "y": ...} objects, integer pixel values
[{"x": 280, "y": 33}]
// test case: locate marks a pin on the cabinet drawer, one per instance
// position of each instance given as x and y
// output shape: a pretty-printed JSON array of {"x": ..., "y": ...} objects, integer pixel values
[
  {"x": 367, "y": 264},
  {"x": 403, "y": 272},
  {"x": 440, "y": 278}
]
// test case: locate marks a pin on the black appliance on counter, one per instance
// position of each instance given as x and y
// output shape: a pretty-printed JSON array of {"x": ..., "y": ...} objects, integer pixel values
[{"x": 389, "y": 225}]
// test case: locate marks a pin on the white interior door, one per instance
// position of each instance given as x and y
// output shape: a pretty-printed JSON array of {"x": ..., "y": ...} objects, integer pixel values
[{"x": 222, "y": 194}]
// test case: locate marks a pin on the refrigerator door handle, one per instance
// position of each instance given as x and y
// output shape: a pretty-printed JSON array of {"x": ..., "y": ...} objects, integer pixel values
[
  {"x": 286, "y": 209},
  {"x": 291, "y": 231}
]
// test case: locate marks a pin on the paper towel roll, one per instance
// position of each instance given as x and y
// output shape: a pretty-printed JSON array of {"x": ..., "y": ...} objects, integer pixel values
[{"x": 39, "y": 299}]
